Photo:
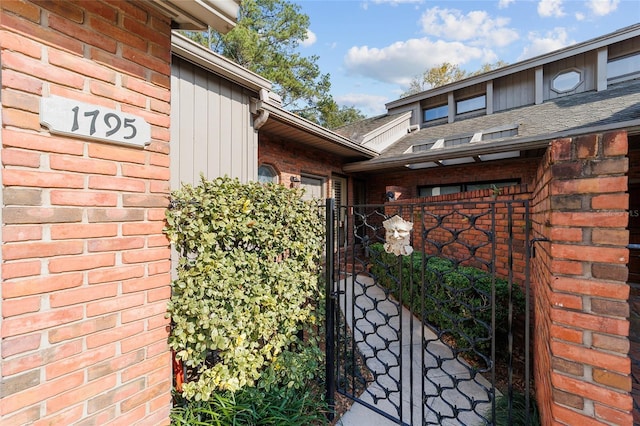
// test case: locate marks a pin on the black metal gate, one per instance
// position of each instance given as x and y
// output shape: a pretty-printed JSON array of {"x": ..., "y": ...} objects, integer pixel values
[{"x": 439, "y": 333}]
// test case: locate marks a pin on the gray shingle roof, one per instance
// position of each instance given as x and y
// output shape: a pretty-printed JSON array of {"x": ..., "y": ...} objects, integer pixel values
[{"x": 619, "y": 103}]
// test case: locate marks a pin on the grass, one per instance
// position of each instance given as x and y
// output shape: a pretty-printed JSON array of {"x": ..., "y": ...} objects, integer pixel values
[{"x": 253, "y": 407}]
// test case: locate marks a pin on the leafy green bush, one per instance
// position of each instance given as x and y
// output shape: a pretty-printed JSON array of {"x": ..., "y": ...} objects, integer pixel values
[
  {"x": 456, "y": 300},
  {"x": 241, "y": 300},
  {"x": 252, "y": 407}
]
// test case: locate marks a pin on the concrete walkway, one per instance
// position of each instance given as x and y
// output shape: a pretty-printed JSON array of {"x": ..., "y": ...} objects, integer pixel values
[{"x": 390, "y": 339}]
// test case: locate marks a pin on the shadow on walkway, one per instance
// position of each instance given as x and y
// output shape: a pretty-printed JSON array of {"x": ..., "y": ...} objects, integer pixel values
[{"x": 410, "y": 365}]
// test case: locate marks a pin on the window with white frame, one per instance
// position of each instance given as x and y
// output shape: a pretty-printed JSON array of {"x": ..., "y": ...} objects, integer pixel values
[
  {"x": 566, "y": 81},
  {"x": 267, "y": 174}
]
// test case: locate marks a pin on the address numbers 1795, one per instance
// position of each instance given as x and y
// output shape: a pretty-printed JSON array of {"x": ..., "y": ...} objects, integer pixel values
[{"x": 79, "y": 119}]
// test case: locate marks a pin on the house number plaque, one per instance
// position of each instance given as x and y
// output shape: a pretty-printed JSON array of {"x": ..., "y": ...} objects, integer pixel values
[{"x": 72, "y": 118}]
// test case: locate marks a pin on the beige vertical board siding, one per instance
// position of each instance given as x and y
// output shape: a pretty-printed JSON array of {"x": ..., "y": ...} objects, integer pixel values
[
  {"x": 514, "y": 90},
  {"x": 211, "y": 127},
  {"x": 586, "y": 63}
]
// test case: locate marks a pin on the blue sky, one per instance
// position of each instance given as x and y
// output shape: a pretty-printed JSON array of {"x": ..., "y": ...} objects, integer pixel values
[{"x": 373, "y": 48}]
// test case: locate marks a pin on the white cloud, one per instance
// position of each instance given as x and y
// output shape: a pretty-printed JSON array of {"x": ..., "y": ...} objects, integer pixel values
[
  {"x": 545, "y": 43},
  {"x": 602, "y": 7},
  {"x": 369, "y": 105},
  {"x": 476, "y": 27},
  {"x": 580, "y": 16},
  {"x": 547, "y": 8},
  {"x": 503, "y": 4},
  {"x": 310, "y": 39},
  {"x": 400, "y": 62}
]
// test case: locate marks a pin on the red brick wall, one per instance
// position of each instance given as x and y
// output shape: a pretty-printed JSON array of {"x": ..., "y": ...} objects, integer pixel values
[
  {"x": 454, "y": 212},
  {"x": 291, "y": 160},
  {"x": 85, "y": 272},
  {"x": 541, "y": 282},
  {"x": 582, "y": 369}
]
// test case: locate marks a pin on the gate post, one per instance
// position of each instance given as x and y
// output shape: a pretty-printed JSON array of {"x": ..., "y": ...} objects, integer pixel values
[{"x": 330, "y": 309}]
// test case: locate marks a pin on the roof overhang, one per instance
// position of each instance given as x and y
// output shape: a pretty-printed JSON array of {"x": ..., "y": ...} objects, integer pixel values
[
  {"x": 280, "y": 122},
  {"x": 217, "y": 64},
  {"x": 197, "y": 15},
  {"x": 289, "y": 126},
  {"x": 386, "y": 127},
  {"x": 483, "y": 148}
]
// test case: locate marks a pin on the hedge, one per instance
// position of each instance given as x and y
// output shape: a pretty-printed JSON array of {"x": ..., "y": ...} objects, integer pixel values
[
  {"x": 455, "y": 300},
  {"x": 246, "y": 277}
]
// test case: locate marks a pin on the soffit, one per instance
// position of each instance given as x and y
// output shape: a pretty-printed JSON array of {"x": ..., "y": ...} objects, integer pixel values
[
  {"x": 221, "y": 15},
  {"x": 285, "y": 125},
  {"x": 216, "y": 63}
]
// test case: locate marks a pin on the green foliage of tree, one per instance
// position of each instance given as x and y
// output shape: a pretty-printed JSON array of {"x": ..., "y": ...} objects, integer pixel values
[
  {"x": 445, "y": 73},
  {"x": 246, "y": 287},
  {"x": 486, "y": 67},
  {"x": 329, "y": 114},
  {"x": 266, "y": 41}
]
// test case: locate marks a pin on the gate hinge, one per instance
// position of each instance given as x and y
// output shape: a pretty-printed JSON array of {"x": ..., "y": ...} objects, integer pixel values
[{"x": 532, "y": 247}]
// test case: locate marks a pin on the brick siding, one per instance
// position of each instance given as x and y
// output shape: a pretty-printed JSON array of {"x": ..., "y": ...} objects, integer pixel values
[
  {"x": 85, "y": 273},
  {"x": 582, "y": 369},
  {"x": 454, "y": 212},
  {"x": 290, "y": 160}
]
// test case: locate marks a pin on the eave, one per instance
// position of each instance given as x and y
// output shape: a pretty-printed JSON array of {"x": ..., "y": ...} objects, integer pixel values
[
  {"x": 283, "y": 123},
  {"x": 198, "y": 15},
  {"x": 217, "y": 64},
  {"x": 483, "y": 148}
]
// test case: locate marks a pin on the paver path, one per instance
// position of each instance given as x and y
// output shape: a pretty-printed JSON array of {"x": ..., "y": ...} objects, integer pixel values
[{"x": 386, "y": 334}]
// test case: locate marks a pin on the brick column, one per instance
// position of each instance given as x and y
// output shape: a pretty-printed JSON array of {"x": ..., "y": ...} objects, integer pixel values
[
  {"x": 582, "y": 368},
  {"x": 86, "y": 267}
]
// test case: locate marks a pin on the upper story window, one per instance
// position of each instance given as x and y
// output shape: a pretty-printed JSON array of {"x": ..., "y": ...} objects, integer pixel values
[
  {"x": 435, "y": 113},
  {"x": 624, "y": 66},
  {"x": 499, "y": 134},
  {"x": 566, "y": 81},
  {"x": 471, "y": 104},
  {"x": 267, "y": 174},
  {"x": 448, "y": 143},
  {"x": 422, "y": 147}
]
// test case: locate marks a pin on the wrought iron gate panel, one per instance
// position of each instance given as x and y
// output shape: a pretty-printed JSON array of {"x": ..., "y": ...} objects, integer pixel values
[{"x": 418, "y": 338}]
